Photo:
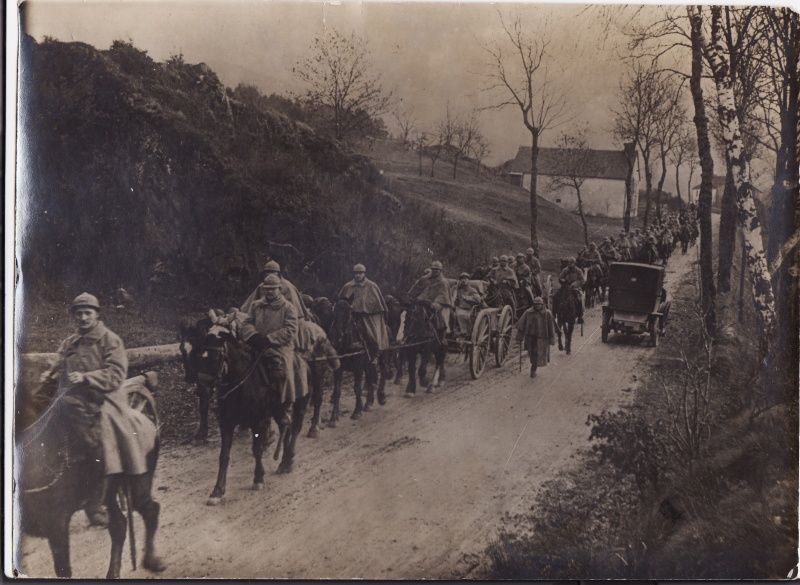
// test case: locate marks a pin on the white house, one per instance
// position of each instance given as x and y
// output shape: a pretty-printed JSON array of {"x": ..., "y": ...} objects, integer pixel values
[{"x": 603, "y": 190}]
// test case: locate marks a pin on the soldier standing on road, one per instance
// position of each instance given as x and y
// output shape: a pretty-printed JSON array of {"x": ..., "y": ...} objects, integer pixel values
[{"x": 538, "y": 329}]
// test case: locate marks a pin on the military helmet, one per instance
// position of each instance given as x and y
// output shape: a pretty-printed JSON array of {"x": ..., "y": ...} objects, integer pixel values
[
  {"x": 464, "y": 275},
  {"x": 571, "y": 260},
  {"x": 529, "y": 251},
  {"x": 538, "y": 301},
  {"x": 271, "y": 281},
  {"x": 359, "y": 268},
  {"x": 436, "y": 265},
  {"x": 607, "y": 240},
  {"x": 85, "y": 300},
  {"x": 495, "y": 259},
  {"x": 521, "y": 255},
  {"x": 503, "y": 258},
  {"x": 272, "y": 266},
  {"x": 651, "y": 239},
  {"x": 592, "y": 245}
]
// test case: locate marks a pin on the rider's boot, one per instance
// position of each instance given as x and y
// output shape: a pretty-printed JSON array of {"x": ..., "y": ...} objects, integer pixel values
[
  {"x": 533, "y": 370},
  {"x": 580, "y": 311},
  {"x": 95, "y": 509}
]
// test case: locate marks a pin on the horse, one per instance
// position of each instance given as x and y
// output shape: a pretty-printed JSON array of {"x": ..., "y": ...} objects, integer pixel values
[
  {"x": 317, "y": 352},
  {"x": 396, "y": 321},
  {"x": 665, "y": 246},
  {"x": 55, "y": 478},
  {"x": 565, "y": 311},
  {"x": 348, "y": 339},
  {"x": 422, "y": 338},
  {"x": 245, "y": 399},
  {"x": 596, "y": 282}
]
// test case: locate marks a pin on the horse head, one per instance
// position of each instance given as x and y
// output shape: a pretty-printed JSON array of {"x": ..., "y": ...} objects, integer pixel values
[
  {"x": 201, "y": 348},
  {"x": 343, "y": 333},
  {"x": 420, "y": 321}
]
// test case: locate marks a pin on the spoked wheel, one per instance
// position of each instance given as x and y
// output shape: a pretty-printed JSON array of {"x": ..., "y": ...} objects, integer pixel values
[
  {"x": 480, "y": 345},
  {"x": 503, "y": 336}
]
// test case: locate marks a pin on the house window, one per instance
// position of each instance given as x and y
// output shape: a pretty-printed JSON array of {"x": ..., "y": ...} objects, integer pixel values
[
  {"x": 558, "y": 199},
  {"x": 516, "y": 180}
]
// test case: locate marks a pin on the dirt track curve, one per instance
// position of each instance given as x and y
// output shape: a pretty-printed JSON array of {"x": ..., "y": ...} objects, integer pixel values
[{"x": 415, "y": 489}]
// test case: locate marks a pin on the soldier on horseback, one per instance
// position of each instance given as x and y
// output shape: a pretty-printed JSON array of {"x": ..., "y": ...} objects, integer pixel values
[
  {"x": 592, "y": 255},
  {"x": 649, "y": 254},
  {"x": 572, "y": 277},
  {"x": 271, "y": 329},
  {"x": 370, "y": 311},
  {"x": 525, "y": 278},
  {"x": 435, "y": 290},
  {"x": 288, "y": 291},
  {"x": 536, "y": 270},
  {"x": 91, "y": 366},
  {"x": 504, "y": 274},
  {"x": 608, "y": 251}
]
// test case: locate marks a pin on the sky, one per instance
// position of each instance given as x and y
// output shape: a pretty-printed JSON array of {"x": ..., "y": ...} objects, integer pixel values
[{"x": 428, "y": 53}]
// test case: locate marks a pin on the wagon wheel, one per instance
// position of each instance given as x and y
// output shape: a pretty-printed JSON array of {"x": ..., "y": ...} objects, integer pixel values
[
  {"x": 142, "y": 400},
  {"x": 480, "y": 345},
  {"x": 503, "y": 336}
]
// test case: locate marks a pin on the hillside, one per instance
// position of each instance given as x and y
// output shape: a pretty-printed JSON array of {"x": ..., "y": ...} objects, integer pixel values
[{"x": 133, "y": 164}]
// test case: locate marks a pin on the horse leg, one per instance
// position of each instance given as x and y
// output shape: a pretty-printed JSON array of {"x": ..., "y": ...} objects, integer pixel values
[
  {"x": 397, "y": 362},
  {"x": 411, "y": 364},
  {"x": 570, "y": 327},
  {"x": 425, "y": 355},
  {"x": 385, "y": 373},
  {"x": 204, "y": 399},
  {"x": 371, "y": 376},
  {"x": 441, "y": 356},
  {"x": 117, "y": 524},
  {"x": 298, "y": 414},
  {"x": 226, "y": 430},
  {"x": 142, "y": 495},
  {"x": 558, "y": 332},
  {"x": 260, "y": 431},
  {"x": 358, "y": 372},
  {"x": 58, "y": 539},
  {"x": 315, "y": 378},
  {"x": 337, "y": 394}
]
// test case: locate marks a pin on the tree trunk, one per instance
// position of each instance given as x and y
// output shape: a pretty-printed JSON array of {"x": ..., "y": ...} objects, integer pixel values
[
  {"x": 708, "y": 291},
  {"x": 689, "y": 185},
  {"x": 678, "y": 185},
  {"x": 583, "y": 217},
  {"x": 661, "y": 184},
  {"x": 534, "y": 177},
  {"x": 629, "y": 187},
  {"x": 455, "y": 164},
  {"x": 727, "y": 234},
  {"x": 648, "y": 187}
]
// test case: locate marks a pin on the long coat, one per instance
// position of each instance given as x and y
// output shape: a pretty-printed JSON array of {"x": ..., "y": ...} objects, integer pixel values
[
  {"x": 435, "y": 290},
  {"x": 540, "y": 325},
  {"x": 370, "y": 308},
  {"x": 277, "y": 321},
  {"x": 126, "y": 435},
  {"x": 289, "y": 292}
]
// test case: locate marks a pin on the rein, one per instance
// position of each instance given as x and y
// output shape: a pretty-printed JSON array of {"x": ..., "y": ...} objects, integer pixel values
[
  {"x": 247, "y": 375},
  {"x": 64, "y": 464}
]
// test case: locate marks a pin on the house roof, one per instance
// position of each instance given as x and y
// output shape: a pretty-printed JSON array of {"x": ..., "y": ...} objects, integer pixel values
[{"x": 606, "y": 164}]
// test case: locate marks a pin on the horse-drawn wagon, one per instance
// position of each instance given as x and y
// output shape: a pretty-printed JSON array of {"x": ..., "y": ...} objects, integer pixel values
[
  {"x": 636, "y": 301},
  {"x": 490, "y": 332}
]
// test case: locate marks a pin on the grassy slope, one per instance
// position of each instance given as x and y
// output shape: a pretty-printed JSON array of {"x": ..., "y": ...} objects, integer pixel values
[{"x": 500, "y": 211}]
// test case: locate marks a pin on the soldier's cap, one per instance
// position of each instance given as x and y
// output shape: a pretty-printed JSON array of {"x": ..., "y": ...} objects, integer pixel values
[
  {"x": 464, "y": 275},
  {"x": 436, "y": 265},
  {"x": 529, "y": 251},
  {"x": 538, "y": 301},
  {"x": 271, "y": 281},
  {"x": 571, "y": 260},
  {"x": 272, "y": 266},
  {"x": 85, "y": 300},
  {"x": 503, "y": 258},
  {"x": 359, "y": 268}
]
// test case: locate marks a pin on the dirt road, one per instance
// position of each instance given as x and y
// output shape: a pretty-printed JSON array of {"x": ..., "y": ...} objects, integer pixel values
[{"x": 415, "y": 489}]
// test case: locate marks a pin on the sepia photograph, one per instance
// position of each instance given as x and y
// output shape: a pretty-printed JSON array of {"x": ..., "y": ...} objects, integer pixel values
[{"x": 401, "y": 291}]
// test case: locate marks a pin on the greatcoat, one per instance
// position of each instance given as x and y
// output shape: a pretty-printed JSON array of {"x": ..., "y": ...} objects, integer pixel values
[
  {"x": 289, "y": 292},
  {"x": 277, "y": 321},
  {"x": 539, "y": 325},
  {"x": 126, "y": 435},
  {"x": 369, "y": 306}
]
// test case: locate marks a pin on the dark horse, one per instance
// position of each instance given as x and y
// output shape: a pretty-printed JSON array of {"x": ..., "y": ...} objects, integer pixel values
[
  {"x": 565, "y": 311},
  {"x": 319, "y": 354},
  {"x": 422, "y": 338},
  {"x": 349, "y": 341},
  {"x": 55, "y": 476},
  {"x": 244, "y": 399},
  {"x": 596, "y": 282}
]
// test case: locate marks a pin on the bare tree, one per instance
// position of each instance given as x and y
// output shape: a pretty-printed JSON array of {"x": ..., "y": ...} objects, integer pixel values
[
  {"x": 467, "y": 134},
  {"x": 636, "y": 119},
  {"x": 480, "y": 150},
  {"x": 421, "y": 142},
  {"x": 343, "y": 86},
  {"x": 669, "y": 124},
  {"x": 406, "y": 121},
  {"x": 682, "y": 153},
  {"x": 520, "y": 77},
  {"x": 692, "y": 161},
  {"x": 575, "y": 162}
]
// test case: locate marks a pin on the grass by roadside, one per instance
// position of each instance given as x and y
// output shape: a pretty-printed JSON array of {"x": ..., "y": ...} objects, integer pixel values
[{"x": 672, "y": 488}]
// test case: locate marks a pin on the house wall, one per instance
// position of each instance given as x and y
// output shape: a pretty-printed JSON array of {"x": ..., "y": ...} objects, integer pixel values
[{"x": 603, "y": 197}]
